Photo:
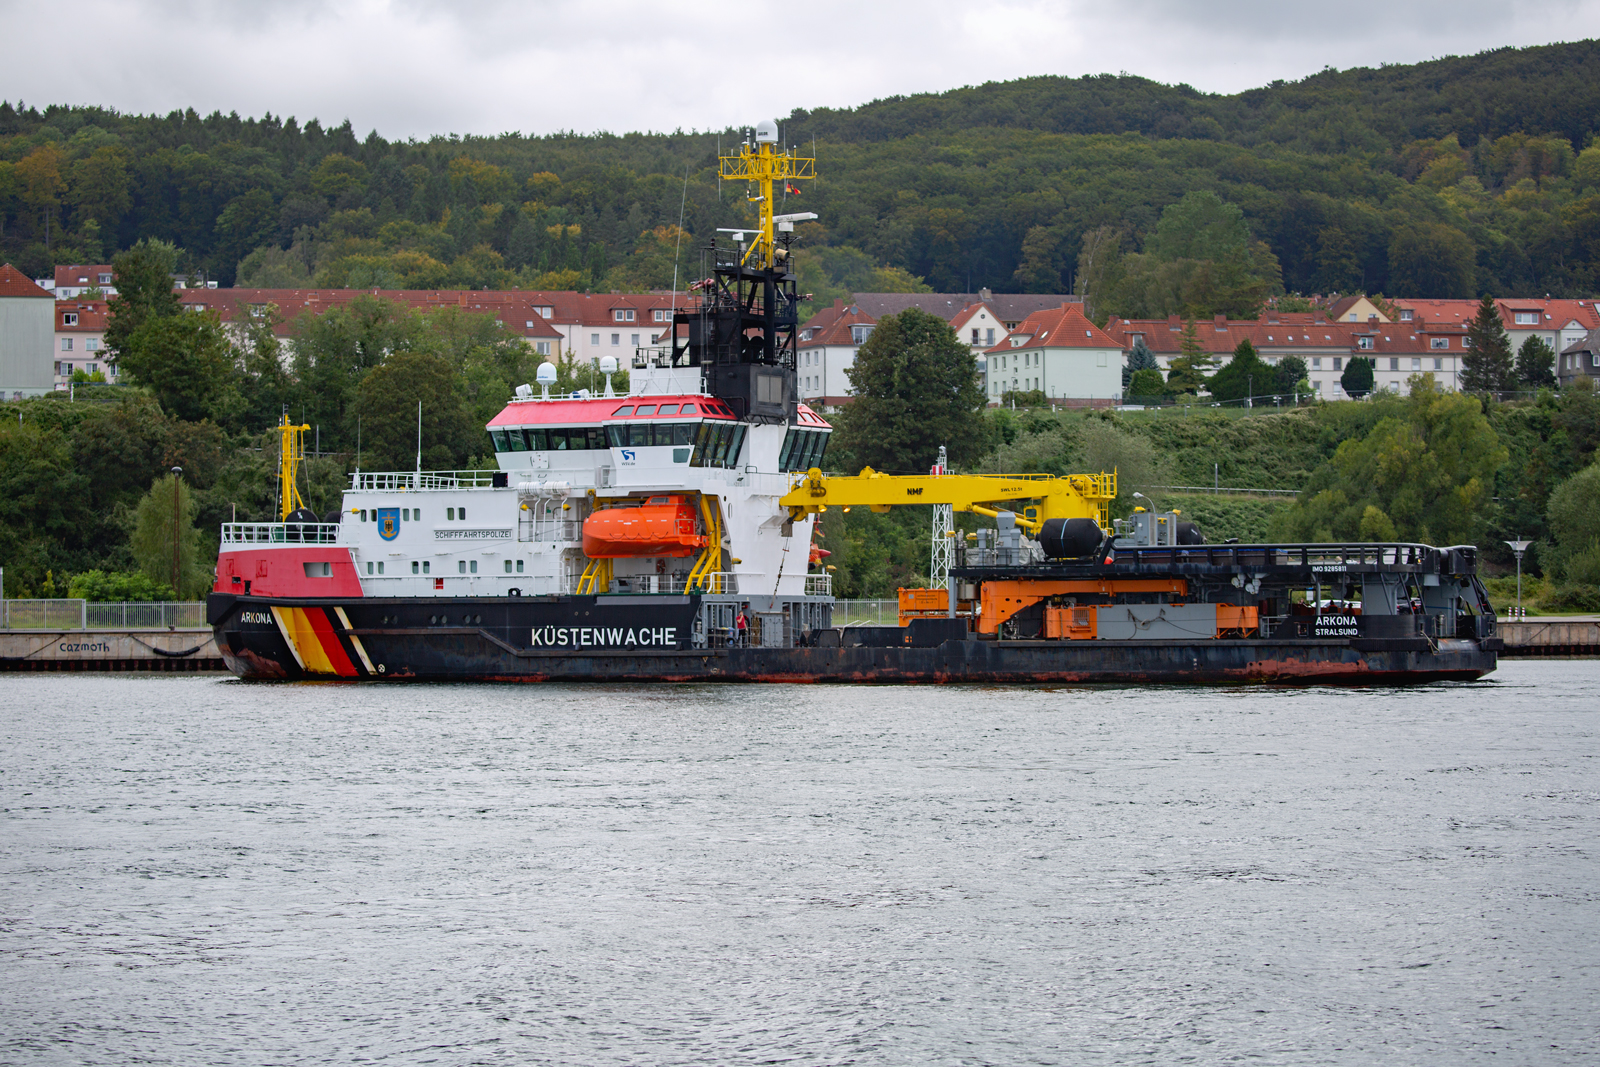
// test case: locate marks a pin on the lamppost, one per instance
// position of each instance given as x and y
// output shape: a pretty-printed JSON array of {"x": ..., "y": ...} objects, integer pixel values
[
  {"x": 1519, "y": 547},
  {"x": 177, "y": 472}
]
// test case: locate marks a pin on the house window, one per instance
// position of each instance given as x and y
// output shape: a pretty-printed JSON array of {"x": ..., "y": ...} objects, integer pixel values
[
  {"x": 616, "y": 339},
  {"x": 1394, "y": 363},
  {"x": 90, "y": 368},
  {"x": 1338, "y": 362},
  {"x": 1316, "y": 362},
  {"x": 66, "y": 344},
  {"x": 1364, "y": 343},
  {"x": 1438, "y": 364},
  {"x": 69, "y": 318},
  {"x": 545, "y": 313},
  {"x": 530, "y": 324},
  {"x": 1527, "y": 318},
  {"x": 974, "y": 335},
  {"x": 634, "y": 340},
  {"x": 805, "y": 335},
  {"x": 1438, "y": 342},
  {"x": 542, "y": 347},
  {"x": 990, "y": 339},
  {"x": 859, "y": 334},
  {"x": 1405, "y": 314},
  {"x": 1416, "y": 364},
  {"x": 105, "y": 279},
  {"x": 91, "y": 344},
  {"x": 659, "y": 315},
  {"x": 622, "y": 315}
]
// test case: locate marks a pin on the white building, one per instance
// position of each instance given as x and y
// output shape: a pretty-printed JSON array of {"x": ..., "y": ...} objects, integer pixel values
[
  {"x": 26, "y": 332},
  {"x": 1059, "y": 353}
]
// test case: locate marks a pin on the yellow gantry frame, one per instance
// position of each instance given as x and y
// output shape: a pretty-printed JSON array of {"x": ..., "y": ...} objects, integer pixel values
[
  {"x": 701, "y": 576},
  {"x": 1075, "y": 496},
  {"x": 764, "y": 163},
  {"x": 291, "y": 452}
]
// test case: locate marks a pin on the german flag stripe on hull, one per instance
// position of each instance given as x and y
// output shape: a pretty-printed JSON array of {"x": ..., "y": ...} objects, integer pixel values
[{"x": 315, "y": 644}]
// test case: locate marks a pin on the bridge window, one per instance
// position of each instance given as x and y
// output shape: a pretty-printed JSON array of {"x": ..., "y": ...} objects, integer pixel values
[{"x": 802, "y": 449}]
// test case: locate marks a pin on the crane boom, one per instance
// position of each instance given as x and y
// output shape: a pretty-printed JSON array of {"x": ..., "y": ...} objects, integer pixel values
[{"x": 1075, "y": 496}]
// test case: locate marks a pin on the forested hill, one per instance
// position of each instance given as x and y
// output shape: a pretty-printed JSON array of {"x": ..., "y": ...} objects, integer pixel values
[
  {"x": 1446, "y": 178},
  {"x": 1547, "y": 89}
]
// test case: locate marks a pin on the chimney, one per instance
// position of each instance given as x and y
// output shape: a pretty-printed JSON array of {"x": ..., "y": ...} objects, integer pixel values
[
  {"x": 1220, "y": 322},
  {"x": 1372, "y": 321},
  {"x": 985, "y": 295},
  {"x": 1173, "y": 323}
]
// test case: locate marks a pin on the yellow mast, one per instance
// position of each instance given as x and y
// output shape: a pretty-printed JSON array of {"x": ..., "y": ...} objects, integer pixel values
[
  {"x": 291, "y": 451},
  {"x": 765, "y": 164}
]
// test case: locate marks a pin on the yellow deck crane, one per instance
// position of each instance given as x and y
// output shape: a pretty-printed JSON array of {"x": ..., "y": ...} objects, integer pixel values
[{"x": 1044, "y": 497}]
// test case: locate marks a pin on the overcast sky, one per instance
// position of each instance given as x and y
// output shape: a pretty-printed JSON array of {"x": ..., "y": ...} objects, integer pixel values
[{"x": 413, "y": 68}]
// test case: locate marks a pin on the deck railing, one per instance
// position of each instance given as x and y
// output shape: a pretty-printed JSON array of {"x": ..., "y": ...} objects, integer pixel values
[
  {"x": 819, "y": 585},
  {"x": 264, "y": 533},
  {"x": 414, "y": 481}
]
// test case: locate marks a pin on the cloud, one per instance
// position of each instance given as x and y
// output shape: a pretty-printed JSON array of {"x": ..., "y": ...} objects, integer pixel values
[{"x": 414, "y": 68}]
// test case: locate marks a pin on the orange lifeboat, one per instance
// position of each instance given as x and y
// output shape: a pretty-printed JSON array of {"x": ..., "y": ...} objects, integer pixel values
[{"x": 661, "y": 526}]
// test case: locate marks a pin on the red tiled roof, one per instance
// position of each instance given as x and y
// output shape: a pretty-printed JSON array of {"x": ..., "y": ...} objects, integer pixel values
[
  {"x": 1062, "y": 327},
  {"x": 15, "y": 283},
  {"x": 92, "y": 315},
  {"x": 832, "y": 325},
  {"x": 73, "y": 275}
]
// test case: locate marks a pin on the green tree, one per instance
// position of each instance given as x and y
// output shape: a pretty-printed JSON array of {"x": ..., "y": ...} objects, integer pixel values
[
  {"x": 387, "y": 401},
  {"x": 1357, "y": 378},
  {"x": 154, "y": 533},
  {"x": 1140, "y": 358},
  {"x": 1487, "y": 366},
  {"x": 1186, "y": 373},
  {"x": 43, "y": 503},
  {"x": 185, "y": 360},
  {"x": 915, "y": 389},
  {"x": 1146, "y": 384},
  {"x": 1425, "y": 471},
  {"x": 1536, "y": 362},
  {"x": 247, "y": 222},
  {"x": 1246, "y": 374},
  {"x": 1289, "y": 372},
  {"x": 1431, "y": 260},
  {"x": 143, "y": 278},
  {"x": 1576, "y": 555},
  {"x": 100, "y": 586}
]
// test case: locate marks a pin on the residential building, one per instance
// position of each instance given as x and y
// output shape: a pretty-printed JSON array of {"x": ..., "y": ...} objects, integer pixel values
[
  {"x": 1009, "y": 308},
  {"x": 1397, "y": 349},
  {"x": 80, "y": 329},
  {"x": 980, "y": 328},
  {"x": 1061, "y": 354},
  {"x": 1355, "y": 309},
  {"x": 26, "y": 332},
  {"x": 1581, "y": 357},
  {"x": 1559, "y": 323},
  {"x": 826, "y": 350},
  {"x": 77, "y": 279}
]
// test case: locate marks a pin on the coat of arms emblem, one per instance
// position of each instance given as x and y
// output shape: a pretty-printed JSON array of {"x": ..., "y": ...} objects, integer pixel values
[{"x": 388, "y": 523}]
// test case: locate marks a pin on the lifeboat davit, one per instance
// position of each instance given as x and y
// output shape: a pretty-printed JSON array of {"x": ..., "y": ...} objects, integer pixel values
[{"x": 661, "y": 526}]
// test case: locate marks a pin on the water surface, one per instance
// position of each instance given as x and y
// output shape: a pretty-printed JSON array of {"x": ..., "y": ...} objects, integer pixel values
[{"x": 197, "y": 870}]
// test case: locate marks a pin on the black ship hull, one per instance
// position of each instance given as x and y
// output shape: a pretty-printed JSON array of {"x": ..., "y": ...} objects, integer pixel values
[{"x": 652, "y": 639}]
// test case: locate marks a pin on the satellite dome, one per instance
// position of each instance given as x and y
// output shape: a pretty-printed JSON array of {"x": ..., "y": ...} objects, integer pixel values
[
  {"x": 766, "y": 132},
  {"x": 608, "y": 364},
  {"x": 546, "y": 375}
]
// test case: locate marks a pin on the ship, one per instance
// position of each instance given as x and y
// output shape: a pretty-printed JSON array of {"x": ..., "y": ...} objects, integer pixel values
[{"x": 666, "y": 535}]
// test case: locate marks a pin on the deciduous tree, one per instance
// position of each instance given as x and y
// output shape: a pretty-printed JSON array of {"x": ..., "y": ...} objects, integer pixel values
[{"x": 915, "y": 389}]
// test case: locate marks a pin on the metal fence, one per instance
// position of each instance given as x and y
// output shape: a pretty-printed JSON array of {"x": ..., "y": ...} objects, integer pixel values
[
  {"x": 74, "y": 614},
  {"x": 866, "y": 612}
]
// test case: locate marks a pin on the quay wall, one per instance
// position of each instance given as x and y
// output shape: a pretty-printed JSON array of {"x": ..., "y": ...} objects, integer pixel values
[
  {"x": 1550, "y": 637},
  {"x": 188, "y": 649}
]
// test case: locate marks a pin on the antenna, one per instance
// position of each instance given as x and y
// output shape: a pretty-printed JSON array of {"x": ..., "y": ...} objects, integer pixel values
[
  {"x": 419, "y": 437},
  {"x": 683, "y": 201}
]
